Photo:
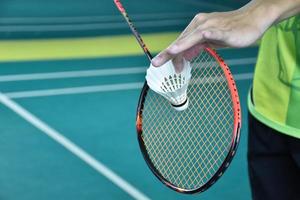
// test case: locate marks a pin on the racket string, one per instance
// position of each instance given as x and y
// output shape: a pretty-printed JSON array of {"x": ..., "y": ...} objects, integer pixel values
[
  {"x": 172, "y": 150},
  {"x": 188, "y": 147}
]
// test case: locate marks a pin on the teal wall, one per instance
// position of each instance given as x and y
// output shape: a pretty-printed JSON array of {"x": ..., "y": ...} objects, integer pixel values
[{"x": 72, "y": 18}]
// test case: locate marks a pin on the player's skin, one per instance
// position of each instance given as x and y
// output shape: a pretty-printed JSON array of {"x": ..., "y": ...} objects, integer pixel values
[{"x": 238, "y": 28}]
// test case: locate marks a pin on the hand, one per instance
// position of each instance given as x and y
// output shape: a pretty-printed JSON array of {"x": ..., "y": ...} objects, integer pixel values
[{"x": 238, "y": 28}]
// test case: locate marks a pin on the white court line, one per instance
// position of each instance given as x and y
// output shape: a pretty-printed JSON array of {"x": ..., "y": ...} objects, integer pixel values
[
  {"x": 243, "y": 76},
  {"x": 208, "y": 5},
  {"x": 72, "y": 74},
  {"x": 94, "y": 89},
  {"x": 213, "y": 79},
  {"x": 75, "y": 90},
  {"x": 100, "y": 72},
  {"x": 241, "y": 61},
  {"x": 73, "y": 148}
]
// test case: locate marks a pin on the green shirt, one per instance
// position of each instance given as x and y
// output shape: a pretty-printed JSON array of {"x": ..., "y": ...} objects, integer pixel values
[{"x": 275, "y": 97}]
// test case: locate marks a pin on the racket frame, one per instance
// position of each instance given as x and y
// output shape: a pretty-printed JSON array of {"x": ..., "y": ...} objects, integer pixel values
[{"x": 235, "y": 133}]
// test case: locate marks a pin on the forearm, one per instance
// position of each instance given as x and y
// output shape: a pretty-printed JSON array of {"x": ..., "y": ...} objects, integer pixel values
[
  {"x": 270, "y": 12},
  {"x": 288, "y": 8}
]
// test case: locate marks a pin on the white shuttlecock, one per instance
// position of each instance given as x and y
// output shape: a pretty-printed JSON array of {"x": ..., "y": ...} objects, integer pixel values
[{"x": 171, "y": 85}]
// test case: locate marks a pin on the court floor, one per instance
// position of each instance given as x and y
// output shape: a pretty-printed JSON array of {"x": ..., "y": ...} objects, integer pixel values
[{"x": 68, "y": 131}]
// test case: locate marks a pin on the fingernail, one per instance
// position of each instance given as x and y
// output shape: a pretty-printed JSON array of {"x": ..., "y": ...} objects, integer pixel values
[{"x": 156, "y": 61}]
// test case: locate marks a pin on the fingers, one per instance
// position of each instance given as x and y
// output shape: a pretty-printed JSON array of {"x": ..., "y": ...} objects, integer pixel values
[
  {"x": 162, "y": 58},
  {"x": 179, "y": 46},
  {"x": 198, "y": 20},
  {"x": 211, "y": 29},
  {"x": 178, "y": 63},
  {"x": 193, "y": 52},
  {"x": 171, "y": 52},
  {"x": 187, "y": 42}
]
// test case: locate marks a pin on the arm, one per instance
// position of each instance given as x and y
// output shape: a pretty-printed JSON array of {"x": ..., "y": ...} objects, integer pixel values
[{"x": 238, "y": 28}]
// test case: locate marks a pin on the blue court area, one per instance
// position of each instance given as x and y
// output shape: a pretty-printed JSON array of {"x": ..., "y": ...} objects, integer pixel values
[
  {"x": 67, "y": 126},
  {"x": 92, "y": 103}
]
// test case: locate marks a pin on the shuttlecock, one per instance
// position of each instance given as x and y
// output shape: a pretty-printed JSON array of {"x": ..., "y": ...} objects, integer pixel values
[{"x": 170, "y": 84}]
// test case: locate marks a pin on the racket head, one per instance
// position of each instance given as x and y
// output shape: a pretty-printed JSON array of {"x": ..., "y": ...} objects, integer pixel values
[{"x": 151, "y": 147}]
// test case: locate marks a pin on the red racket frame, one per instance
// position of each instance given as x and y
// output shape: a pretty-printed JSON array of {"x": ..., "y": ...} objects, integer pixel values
[{"x": 235, "y": 133}]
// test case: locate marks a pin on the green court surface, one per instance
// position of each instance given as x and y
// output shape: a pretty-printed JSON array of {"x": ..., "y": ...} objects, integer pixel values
[
  {"x": 70, "y": 79},
  {"x": 92, "y": 102}
]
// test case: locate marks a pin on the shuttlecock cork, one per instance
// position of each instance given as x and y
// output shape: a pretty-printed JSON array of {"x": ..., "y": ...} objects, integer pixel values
[{"x": 170, "y": 84}]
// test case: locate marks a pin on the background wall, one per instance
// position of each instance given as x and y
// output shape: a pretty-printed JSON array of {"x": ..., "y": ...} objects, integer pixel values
[{"x": 67, "y": 18}]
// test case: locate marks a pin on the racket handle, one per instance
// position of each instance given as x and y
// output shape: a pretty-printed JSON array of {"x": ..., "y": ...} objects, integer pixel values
[{"x": 133, "y": 29}]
